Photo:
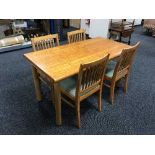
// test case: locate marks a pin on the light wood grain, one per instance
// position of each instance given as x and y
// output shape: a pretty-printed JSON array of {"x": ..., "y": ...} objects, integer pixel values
[{"x": 63, "y": 61}]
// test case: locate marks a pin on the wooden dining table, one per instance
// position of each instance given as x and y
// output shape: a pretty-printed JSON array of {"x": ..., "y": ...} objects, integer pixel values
[{"x": 64, "y": 61}]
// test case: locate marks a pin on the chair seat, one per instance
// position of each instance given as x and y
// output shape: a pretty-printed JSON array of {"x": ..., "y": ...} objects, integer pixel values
[
  {"x": 110, "y": 68},
  {"x": 69, "y": 86}
]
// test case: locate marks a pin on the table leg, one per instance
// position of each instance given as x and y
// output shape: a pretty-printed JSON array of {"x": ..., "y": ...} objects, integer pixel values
[
  {"x": 37, "y": 84},
  {"x": 52, "y": 93},
  {"x": 57, "y": 100}
]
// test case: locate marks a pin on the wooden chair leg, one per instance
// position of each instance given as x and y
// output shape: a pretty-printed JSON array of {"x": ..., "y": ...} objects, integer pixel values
[
  {"x": 112, "y": 89},
  {"x": 129, "y": 40},
  {"x": 126, "y": 83},
  {"x": 77, "y": 108},
  {"x": 118, "y": 82},
  {"x": 99, "y": 100}
]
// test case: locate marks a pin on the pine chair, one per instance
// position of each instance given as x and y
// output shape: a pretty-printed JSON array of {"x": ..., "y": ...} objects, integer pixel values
[
  {"x": 41, "y": 43},
  {"x": 45, "y": 42},
  {"x": 76, "y": 36},
  {"x": 88, "y": 82},
  {"x": 119, "y": 70}
]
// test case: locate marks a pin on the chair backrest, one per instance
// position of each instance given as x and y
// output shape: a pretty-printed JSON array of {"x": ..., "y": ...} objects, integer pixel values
[
  {"x": 125, "y": 61},
  {"x": 116, "y": 22},
  {"x": 44, "y": 42},
  {"x": 130, "y": 25},
  {"x": 75, "y": 36},
  {"x": 91, "y": 75}
]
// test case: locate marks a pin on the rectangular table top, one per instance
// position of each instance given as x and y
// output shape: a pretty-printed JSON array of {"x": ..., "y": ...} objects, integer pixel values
[{"x": 61, "y": 62}]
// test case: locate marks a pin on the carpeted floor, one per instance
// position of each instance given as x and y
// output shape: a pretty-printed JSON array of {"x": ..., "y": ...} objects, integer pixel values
[{"x": 132, "y": 113}]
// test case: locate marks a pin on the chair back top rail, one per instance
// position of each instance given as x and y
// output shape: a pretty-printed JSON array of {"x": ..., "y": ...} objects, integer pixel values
[
  {"x": 75, "y": 36},
  {"x": 45, "y": 42}
]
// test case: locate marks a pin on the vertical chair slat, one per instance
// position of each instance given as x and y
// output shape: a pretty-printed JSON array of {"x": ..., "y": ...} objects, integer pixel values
[
  {"x": 91, "y": 75},
  {"x": 76, "y": 36},
  {"x": 53, "y": 43},
  {"x": 44, "y": 42},
  {"x": 48, "y": 44}
]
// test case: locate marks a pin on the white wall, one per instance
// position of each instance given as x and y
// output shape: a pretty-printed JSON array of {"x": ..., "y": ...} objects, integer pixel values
[
  {"x": 84, "y": 26},
  {"x": 97, "y": 27},
  {"x": 137, "y": 21}
]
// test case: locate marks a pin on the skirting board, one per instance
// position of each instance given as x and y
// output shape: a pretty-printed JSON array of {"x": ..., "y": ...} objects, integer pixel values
[{"x": 15, "y": 47}]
